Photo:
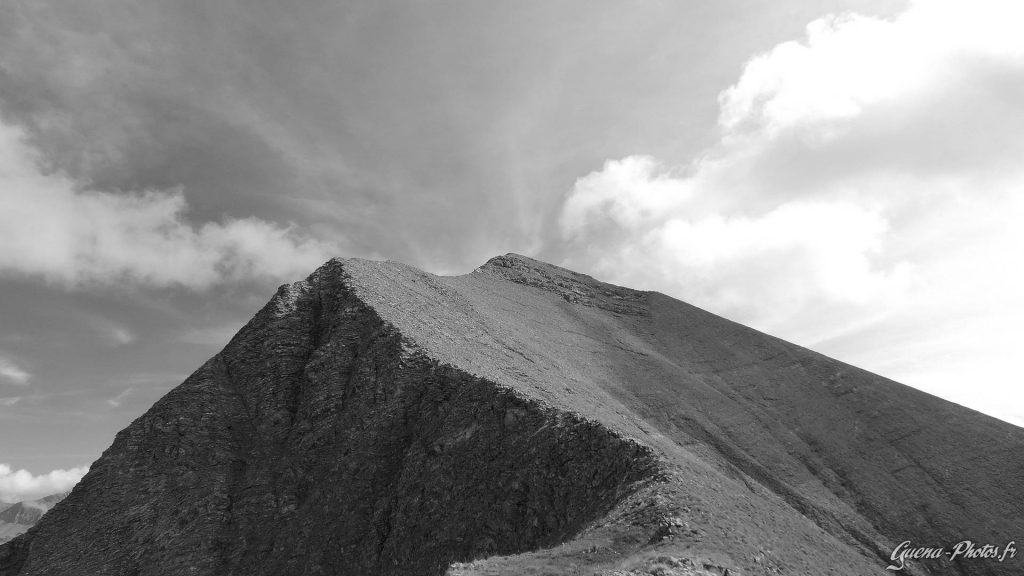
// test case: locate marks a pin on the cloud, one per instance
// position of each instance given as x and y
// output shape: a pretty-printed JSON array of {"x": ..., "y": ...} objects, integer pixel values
[
  {"x": 121, "y": 336},
  {"x": 863, "y": 198},
  {"x": 51, "y": 229},
  {"x": 379, "y": 127},
  {"x": 116, "y": 401},
  {"x": 637, "y": 223},
  {"x": 12, "y": 373},
  {"x": 114, "y": 333},
  {"x": 851, "y": 63},
  {"x": 10, "y": 401},
  {"x": 19, "y": 485}
]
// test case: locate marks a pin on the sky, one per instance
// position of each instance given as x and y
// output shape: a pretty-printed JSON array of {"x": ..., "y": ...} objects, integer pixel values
[{"x": 843, "y": 174}]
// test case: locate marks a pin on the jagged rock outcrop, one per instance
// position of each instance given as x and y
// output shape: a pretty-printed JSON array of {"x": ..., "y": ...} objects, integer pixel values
[{"x": 375, "y": 419}]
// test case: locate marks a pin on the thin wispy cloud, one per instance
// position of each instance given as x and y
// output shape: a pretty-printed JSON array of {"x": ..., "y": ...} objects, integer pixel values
[
  {"x": 114, "y": 333},
  {"x": 864, "y": 186},
  {"x": 118, "y": 400},
  {"x": 12, "y": 373},
  {"x": 121, "y": 336}
]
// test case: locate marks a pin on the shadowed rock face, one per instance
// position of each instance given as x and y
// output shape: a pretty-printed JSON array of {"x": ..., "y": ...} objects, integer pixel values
[{"x": 374, "y": 419}]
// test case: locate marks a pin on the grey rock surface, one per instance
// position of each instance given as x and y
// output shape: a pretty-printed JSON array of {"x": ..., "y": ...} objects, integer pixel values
[{"x": 375, "y": 419}]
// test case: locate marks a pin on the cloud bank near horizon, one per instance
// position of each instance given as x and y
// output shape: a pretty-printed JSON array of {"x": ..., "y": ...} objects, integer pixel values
[
  {"x": 19, "y": 485},
  {"x": 864, "y": 187}
]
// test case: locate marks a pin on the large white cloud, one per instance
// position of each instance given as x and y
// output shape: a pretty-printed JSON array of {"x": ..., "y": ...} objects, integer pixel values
[
  {"x": 50, "y": 228},
  {"x": 18, "y": 485},
  {"x": 863, "y": 198}
]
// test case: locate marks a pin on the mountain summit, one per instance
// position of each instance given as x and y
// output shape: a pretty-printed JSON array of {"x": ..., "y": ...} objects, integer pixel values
[{"x": 526, "y": 419}]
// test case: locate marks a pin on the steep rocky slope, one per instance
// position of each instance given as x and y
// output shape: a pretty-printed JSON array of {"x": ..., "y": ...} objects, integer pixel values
[{"x": 375, "y": 419}]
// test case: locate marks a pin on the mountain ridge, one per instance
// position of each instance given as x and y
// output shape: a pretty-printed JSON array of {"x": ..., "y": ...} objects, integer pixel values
[
  {"x": 611, "y": 424},
  {"x": 17, "y": 517}
]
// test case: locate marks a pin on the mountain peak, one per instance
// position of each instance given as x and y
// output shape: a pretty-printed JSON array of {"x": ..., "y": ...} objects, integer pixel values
[
  {"x": 573, "y": 287},
  {"x": 377, "y": 419}
]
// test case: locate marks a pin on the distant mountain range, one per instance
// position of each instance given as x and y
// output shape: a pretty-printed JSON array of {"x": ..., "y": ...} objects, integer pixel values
[{"x": 17, "y": 518}]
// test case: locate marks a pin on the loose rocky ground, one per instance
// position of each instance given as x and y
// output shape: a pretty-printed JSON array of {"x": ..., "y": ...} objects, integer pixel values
[{"x": 525, "y": 419}]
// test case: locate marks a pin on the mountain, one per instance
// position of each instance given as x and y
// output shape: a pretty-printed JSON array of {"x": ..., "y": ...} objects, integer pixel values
[
  {"x": 8, "y": 531},
  {"x": 526, "y": 419},
  {"x": 17, "y": 518}
]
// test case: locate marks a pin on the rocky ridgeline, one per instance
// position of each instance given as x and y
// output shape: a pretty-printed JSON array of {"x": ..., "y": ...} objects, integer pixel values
[
  {"x": 321, "y": 441},
  {"x": 526, "y": 419},
  {"x": 573, "y": 287}
]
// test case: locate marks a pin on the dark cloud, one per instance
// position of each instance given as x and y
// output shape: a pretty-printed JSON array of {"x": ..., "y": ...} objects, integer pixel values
[{"x": 433, "y": 132}]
